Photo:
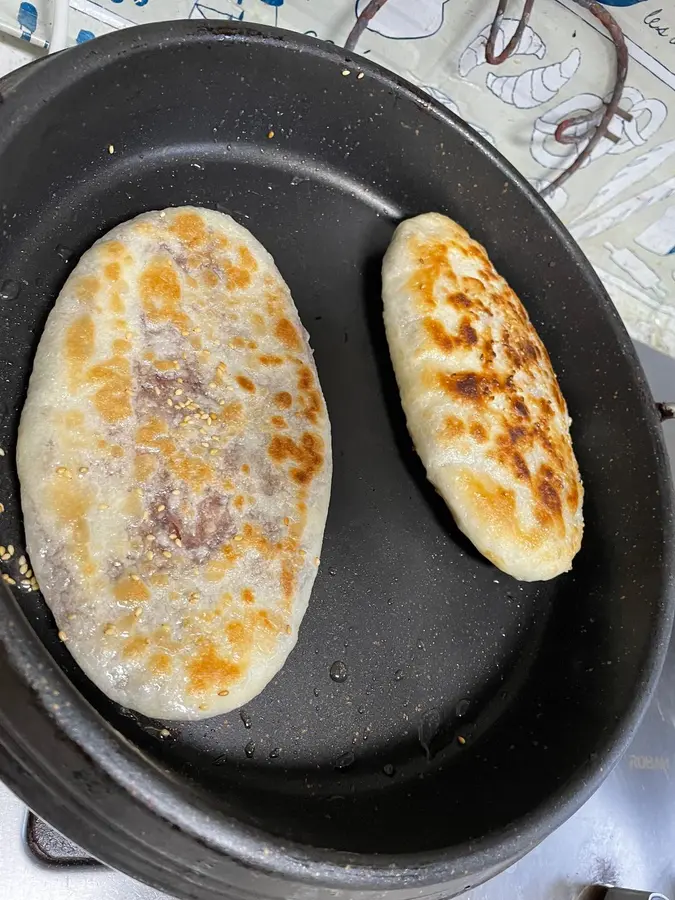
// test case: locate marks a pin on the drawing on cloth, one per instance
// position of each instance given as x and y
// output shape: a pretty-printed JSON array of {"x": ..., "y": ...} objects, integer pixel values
[
  {"x": 648, "y": 317},
  {"x": 276, "y": 5},
  {"x": 637, "y": 169},
  {"x": 202, "y": 11},
  {"x": 530, "y": 44},
  {"x": 445, "y": 100},
  {"x": 442, "y": 98},
  {"x": 659, "y": 237},
  {"x": 556, "y": 199},
  {"x": 649, "y": 116},
  {"x": 401, "y": 20},
  {"x": 27, "y": 17},
  {"x": 637, "y": 270},
  {"x": 535, "y": 86},
  {"x": 618, "y": 214}
]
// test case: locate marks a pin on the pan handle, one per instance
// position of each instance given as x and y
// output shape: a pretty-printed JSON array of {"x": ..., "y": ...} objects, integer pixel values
[{"x": 666, "y": 411}]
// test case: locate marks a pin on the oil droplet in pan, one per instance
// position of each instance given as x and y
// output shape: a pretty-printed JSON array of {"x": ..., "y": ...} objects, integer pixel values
[
  {"x": 428, "y": 729},
  {"x": 345, "y": 760},
  {"x": 9, "y": 289},
  {"x": 338, "y": 671}
]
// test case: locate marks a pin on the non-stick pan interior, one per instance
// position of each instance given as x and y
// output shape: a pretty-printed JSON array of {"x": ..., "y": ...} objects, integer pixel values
[{"x": 470, "y": 700}]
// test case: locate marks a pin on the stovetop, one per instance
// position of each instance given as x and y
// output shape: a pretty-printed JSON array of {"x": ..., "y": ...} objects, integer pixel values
[{"x": 623, "y": 836}]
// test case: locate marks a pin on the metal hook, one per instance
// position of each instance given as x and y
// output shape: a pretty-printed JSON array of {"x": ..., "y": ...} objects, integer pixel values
[
  {"x": 611, "y": 108},
  {"x": 369, "y": 12},
  {"x": 496, "y": 59},
  {"x": 666, "y": 411}
]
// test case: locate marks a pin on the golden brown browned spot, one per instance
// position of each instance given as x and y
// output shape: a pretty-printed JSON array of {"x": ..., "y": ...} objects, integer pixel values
[
  {"x": 308, "y": 455},
  {"x": 458, "y": 299},
  {"x": 238, "y": 502},
  {"x": 135, "y": 646},
  {"x": 209, "y": 671},
  {"x": 474, "y": 251},
  {"x": 239, "y": 276},
  {"x": 112, "y": 399},
  {"x": 287, "y": 334},
  {"x": 478, "y": 433},
  {"x": 86, "y": 288},
  {"x": 191, "y": 470},
  {"x": 245, "y": 383},
  {"x": 520, "y": 408},
  {"x": 145, "y": 464},
  {"x": 283, "y": 400},
  {"x": 160, "y": 664},
  {"x": 116, "y": 451},
  {"x": 154, "y": 434},
  {"x": 209, "y": 278},
  {"x": 438, "y": 335},
  {"x": 116, "y": 303},
  {"x": 311, "y": 398},
  {"x": 453, "y": 427},
  {"x": 472, "y": 285},
  {"x": 279, "y": 422},
  {"x": 520, "y": 466},
  {"x": 161, "y": 293},
  {"x": 287, "y": 581},
  {"x": 432, "y": 265},
  {"x": 247, "y": 259},
  {"x": 248, "y": 596},
  {"x": 270, "y": 359},
  {"x": 232, "y": 413},
  {"x": 246, "y": 468},
  {"x": 71, "y": 503},
  {"x": 79, "y": 347},
  {"x": 531, "y": 351},
  {"x": 496, "y": 506},
  {"x": 470, "y": 386},
  {"x": 113, "y": 248},
  {"x": 130, "y": 590},
  {"x": 547, "y": 492},
  {"x": 312, "y": 406},
  {"x": 305, "y": 378},
  {"x": 258, "y": 628},
  {"x": 573, "y": 496},
  {"x": 254, "y": 539},
  {"x": 268, "y": 621},
  {"x": 121, "y": 345},
  {"x": 215, "y": 569},
  {"x": 466, "y": 333},
  {"x": 112, "y": 272},
  {"x": 73, "y": 419},
  {"x": 165, "y": 365},
  {"x": 189, "y": 228}
]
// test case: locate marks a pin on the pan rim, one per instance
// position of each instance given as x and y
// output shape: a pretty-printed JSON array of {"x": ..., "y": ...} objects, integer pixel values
[{"x": 25, "y": 661}]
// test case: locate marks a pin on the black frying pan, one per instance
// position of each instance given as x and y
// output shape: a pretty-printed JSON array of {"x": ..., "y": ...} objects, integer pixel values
[{"x": 477, "y": 712}]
